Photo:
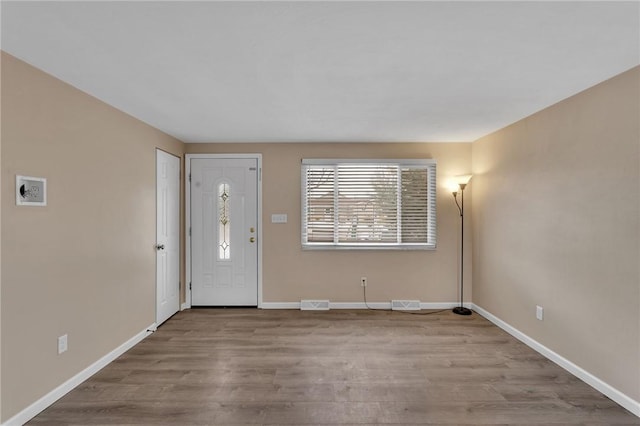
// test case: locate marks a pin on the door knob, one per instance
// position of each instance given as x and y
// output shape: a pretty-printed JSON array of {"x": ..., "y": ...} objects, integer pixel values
[
  {"x": 159, "y": 246},
  {"x": 252, "y": 240}
]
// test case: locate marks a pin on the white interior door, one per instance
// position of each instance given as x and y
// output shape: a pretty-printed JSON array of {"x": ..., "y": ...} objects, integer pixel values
[
  {"x": 167, "y": 235},
  {"x": 224, "y": 231}
]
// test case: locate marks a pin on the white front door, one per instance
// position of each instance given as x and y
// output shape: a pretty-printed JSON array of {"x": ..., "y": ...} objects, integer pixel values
[
  {"x": 167, "y": 235},
  {"x": 224, "y": 231}
]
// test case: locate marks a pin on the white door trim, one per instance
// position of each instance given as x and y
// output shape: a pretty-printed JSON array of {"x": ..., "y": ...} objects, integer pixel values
[{"x": 187, "y": 193}]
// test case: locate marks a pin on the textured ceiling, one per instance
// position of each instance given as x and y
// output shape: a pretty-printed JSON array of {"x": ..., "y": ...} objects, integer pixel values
[{"x": 326, "y": 71}]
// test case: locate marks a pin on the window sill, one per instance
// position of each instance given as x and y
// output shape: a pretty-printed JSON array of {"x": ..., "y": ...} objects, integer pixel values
[{"x": 392, "y": 247}]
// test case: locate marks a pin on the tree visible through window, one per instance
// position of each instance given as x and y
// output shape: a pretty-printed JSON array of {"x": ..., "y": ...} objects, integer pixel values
[{"x": 368, "y": 204}]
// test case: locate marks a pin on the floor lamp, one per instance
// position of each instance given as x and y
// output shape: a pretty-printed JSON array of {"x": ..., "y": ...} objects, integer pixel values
[{"x": 462, "y": 183}]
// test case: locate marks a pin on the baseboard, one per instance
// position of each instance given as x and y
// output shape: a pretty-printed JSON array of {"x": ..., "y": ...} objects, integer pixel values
[
  {"x": 280, "y": 305},
  {"x": 31, "y": 411},
  {"x": 185, "y": 305},
  {"x": 601, "y": 386},
  {"x": 332, "y": 305},
  {"x": 387, "y": 305},
  {"x": 361, "y": 305},
  {"x": 444, "y": 305}
]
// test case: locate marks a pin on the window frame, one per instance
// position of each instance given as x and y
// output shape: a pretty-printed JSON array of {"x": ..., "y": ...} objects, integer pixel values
[{"x": 428, "y": 164}]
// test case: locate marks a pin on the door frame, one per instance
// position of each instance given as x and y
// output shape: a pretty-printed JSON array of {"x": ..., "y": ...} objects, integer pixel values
[{"x": 187, "y": 193}]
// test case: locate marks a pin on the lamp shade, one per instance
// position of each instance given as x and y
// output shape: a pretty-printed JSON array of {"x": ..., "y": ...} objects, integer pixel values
[
  {"x": 452, "y": 185},
  {"x": 462, "y": 179}
]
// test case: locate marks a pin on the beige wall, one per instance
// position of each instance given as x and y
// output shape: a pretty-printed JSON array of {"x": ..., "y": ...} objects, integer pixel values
[
  {"x": 556, "y": 224},
  {"x": 290, "y": 274},
  {"x": 84, "y": 264}
]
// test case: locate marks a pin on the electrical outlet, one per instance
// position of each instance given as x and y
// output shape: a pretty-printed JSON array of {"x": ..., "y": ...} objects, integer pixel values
[
  {"x": 62, "y": 344},
  {"x": 363, "y": 281},
  {"x": 539, "y": 312}
]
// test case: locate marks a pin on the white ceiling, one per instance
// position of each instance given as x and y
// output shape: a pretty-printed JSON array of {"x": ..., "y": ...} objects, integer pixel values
[{"x": 334, "y": 71}]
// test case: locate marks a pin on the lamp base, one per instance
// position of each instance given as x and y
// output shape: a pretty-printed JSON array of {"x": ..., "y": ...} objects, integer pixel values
[{"x": 461, "y": 310}]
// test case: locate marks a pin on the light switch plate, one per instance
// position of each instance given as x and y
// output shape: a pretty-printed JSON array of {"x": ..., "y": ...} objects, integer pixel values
[{"x": 279, "y": 218}]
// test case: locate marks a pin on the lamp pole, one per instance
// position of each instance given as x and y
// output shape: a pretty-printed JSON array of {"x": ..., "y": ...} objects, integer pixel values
[{"x": 461, "y": 310}]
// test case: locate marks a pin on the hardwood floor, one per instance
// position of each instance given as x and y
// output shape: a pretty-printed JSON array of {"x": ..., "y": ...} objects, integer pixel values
[{"x": 243, "y": 366}]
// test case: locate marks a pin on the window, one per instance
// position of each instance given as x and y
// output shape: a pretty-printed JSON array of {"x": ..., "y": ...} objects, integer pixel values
[{"x": 369, "y": 204}]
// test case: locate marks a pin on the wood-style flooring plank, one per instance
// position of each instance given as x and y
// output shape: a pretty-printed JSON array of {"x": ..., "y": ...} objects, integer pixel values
[{"x": 255, "y": 367}]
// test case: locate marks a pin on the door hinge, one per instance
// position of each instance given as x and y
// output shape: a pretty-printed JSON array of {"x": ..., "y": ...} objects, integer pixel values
[
  {"x": 189, "y": 177},
  {"x": 189, "y": 231},
  {"x": 189, "y": 285}
]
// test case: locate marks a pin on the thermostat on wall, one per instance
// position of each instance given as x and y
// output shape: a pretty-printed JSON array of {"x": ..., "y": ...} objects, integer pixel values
[{"x": 31, "y": 191}]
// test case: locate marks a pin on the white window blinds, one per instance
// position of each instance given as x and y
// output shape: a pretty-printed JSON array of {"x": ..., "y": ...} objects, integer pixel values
[{"x": 368, "y": 203}]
